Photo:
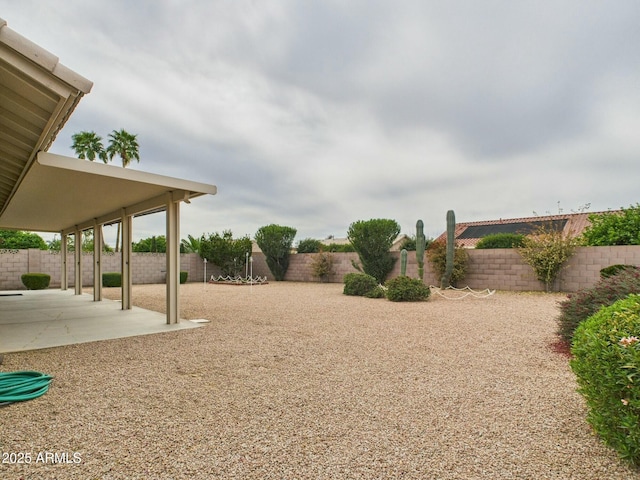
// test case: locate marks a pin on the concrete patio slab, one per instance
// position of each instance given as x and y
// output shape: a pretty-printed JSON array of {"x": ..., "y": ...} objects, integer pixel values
[{"x": 34, "y": 319}]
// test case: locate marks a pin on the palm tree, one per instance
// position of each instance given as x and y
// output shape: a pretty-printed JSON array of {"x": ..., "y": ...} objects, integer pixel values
[
  {"x": 88, "y": 145},
  {"x": 125, "y": 145},
  {"x": 192, "y": 245}
]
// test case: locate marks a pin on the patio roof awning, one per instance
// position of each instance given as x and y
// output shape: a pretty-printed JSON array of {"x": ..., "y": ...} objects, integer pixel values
[{"x": 64, "y": 194}]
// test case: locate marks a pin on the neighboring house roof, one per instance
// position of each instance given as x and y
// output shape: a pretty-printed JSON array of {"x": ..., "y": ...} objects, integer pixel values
[{"x": 468, "y": 234}]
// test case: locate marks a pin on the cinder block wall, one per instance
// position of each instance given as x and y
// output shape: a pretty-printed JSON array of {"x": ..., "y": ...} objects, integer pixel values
[
  {"x": 13, "y": 263},
  {"x": 147, "y": 267},
  {"x": 501, "y": 269}
]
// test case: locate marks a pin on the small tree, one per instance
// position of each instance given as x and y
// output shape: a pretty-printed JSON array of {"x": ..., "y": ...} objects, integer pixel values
[
  {"x": 190, "y": 245},
  {"x": 15, "y": 239},
  {"x": 614, "y": 228},
  {"x": 275, "y": 242},
  {"x": 546, "y": 250},
  {"x": 226, "y": 252},
  {"x": 372, "y": 240},
  {"x": 151, "y": 244}
]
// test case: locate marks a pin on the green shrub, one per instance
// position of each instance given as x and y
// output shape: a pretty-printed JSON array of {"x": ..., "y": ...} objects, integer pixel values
[
  {"x": 612, "y": 270},
  {"x": 309, "y": 245},
  {"x": 359, "y": 284},
  {"x": 606, "y": 350},
  {"x": 372, "y": 239},
  {"x": 406, "y": 289},
  {"x": 377, "y": 292},
  {"x": 35, "y": 281},
  {"x": 275, "y": 242},
  {"x": 437, "y": 256},
  {"x": 614, "y": 228},
  {"x": 183, "y": 276},
  {"x": 228, "y": 253},
  {"x": 581, "y": 305},
  {"x": 13, "y": 239},
  {"x": 112, "y": 279},
  {"x": 501, "y": 240},
  {"x": 151, "y": 245},
  {"x": 338, "y": 248}
]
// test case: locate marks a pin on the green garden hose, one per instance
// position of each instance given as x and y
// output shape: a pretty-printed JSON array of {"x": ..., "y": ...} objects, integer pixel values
[{"x": 21, "y": 386}]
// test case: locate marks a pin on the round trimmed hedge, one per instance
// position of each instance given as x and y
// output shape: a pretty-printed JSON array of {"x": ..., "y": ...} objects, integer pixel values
[
  {"x": 407, "y": 289},
  {"x": 36, "y": 281}
]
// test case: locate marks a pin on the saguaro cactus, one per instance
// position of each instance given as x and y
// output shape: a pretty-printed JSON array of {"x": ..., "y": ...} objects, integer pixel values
[
  {"x": 421, "y": 243},
  {"x": 403, "y": 262},
  {"x": 451, "y": 227}
]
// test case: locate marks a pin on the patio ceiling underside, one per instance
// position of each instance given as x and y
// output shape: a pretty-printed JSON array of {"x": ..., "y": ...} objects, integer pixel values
[{"x": 63, "y": 194}]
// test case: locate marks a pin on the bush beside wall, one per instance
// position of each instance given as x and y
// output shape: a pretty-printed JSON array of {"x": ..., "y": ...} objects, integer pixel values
[
  {"x": 35, "y": 281},
  {"x": 112, "y": 279},
  {"x": 606, "y": 349}
]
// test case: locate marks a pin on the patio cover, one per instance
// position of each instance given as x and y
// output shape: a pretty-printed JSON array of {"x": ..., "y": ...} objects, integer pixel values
[
  {"x": 64, "y": 194},
  {"x": 40, "y": 191}
]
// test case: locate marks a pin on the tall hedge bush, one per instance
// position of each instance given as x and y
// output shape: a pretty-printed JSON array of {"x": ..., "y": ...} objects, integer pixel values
[
  {"x": 275, "y": 242},
  {"x": 372, "y": 240},
  {"x": 606, "y": 349}
]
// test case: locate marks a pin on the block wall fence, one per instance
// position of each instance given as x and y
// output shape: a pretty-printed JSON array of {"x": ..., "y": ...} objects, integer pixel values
[{"x": 501, "y": 269}]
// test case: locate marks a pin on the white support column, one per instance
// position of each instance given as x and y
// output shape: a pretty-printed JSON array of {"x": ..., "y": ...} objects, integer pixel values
[
  {"x": 97, "y": 262},
  {"x": 64, "y": 277},
  {"x": 77, "y": 253},
  {"x": 127, "y": 276},
  {"x": 173, "y": 260}
]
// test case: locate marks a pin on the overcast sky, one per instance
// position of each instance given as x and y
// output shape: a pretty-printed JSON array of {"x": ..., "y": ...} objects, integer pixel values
[{"x": 316, "y": 114}]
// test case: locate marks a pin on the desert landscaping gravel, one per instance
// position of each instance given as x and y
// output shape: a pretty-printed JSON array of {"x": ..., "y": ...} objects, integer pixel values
[{"x": 298, "y": 381}]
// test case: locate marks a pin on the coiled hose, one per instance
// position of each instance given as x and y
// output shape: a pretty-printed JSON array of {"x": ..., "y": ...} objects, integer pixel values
[{"x": 21, "y": 386}]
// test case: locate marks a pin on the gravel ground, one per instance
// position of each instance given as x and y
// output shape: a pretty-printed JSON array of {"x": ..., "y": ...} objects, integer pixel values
[{"x": 297, "y": 381}]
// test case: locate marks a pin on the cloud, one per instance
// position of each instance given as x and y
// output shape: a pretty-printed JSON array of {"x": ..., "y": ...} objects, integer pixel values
[{"x": 317, "y": 114}]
